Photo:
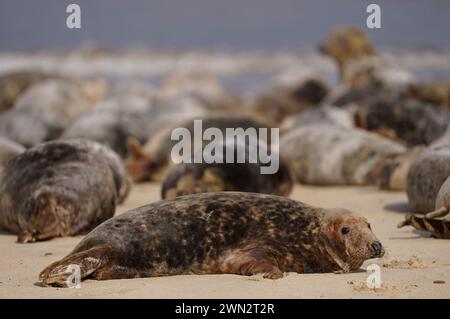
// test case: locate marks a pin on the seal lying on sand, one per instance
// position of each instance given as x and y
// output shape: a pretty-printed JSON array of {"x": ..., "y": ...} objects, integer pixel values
[
  {"x": 394, "y": 171},
  {"x": 280, "y": 101},
  {"x": 393, "y": 114},
  {"x": 431, "y": 222},
  {"x": 112, "y": 120},
  {"x": 43, "y": 111},
  {"x": 217, "y": 233},
  {"x": 411, "y": 121},
  {"x": 152, "y": 161},
  {"x": 426, "y": 176},
  {"x": 59, "y": 189},
  {"x": 332, "y": 155},
  {"x": 191, "y": 178},
  {"x": 117, "y": 118},
  {"x": 13, "y": 84}
]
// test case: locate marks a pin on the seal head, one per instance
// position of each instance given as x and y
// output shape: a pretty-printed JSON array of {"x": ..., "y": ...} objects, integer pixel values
[{"x": 348, "y": 240}]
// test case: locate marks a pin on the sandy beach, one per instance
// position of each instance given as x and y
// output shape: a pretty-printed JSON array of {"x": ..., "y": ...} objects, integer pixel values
[{"x": 415, "y": 266}]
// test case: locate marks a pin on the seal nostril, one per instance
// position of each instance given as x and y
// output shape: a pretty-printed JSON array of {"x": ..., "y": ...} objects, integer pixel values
[{"x": 376, "y": 246}]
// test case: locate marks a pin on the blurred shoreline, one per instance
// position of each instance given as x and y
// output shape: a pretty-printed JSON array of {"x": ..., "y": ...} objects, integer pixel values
[{"x": 238, "y": 71}]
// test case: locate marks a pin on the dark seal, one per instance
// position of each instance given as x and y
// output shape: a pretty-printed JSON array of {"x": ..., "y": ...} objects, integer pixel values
[
  {"x": 152, "y": 162},
  {"x": 191, "y": 178},
  {"x": 218, "y": 233}
]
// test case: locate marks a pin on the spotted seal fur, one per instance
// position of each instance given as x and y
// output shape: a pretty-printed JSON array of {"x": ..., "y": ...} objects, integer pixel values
[{"x": 217, "y": 233}]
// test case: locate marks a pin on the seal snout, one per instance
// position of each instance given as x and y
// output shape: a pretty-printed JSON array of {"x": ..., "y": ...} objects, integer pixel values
[{"x": 377, "y": 249}]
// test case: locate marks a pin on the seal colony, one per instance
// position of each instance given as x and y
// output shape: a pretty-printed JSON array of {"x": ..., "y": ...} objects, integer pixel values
[
  {"x": 224, "y": 216},
  {"x": 220, "y": 233},
  {"x": 60, "y": 188}
]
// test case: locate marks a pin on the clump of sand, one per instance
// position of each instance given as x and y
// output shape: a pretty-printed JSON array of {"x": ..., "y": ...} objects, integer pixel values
[
  {"x": 361, "y": 286},
  {"x": 411, "y": 263}
]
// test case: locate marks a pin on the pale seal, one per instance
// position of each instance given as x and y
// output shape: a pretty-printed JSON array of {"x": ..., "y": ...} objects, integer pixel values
[
  {"x": 332, "y": 155},
  {"x": 13, "y": 84},
  {"x": 427, "y": 174},
  {"x": 432, "y": 221},
  {"x": 43, "y": 111},
  {"x": 119, "y": 117}
]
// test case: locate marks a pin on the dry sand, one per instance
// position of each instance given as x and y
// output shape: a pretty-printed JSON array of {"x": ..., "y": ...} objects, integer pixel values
[{"x": 411, "y": 266}]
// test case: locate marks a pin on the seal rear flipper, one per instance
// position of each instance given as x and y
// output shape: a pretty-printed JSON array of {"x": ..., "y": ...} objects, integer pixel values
[
  {"x": 439, "y": 228},
  {"x": 61, "y": 272}
]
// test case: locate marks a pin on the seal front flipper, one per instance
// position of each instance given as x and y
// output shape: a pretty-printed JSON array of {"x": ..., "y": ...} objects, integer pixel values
[
  {"x": 253, "y": 260},
  {"x": 89, "y": 261},
  {"x": 52, "y": 220}
]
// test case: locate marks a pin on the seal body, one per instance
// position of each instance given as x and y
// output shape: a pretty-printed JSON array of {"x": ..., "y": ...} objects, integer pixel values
[
  {"x": 393, "y": 173},
  {"x": 58, "y": 189},
  {"x": 325, "y": 114},
  {"x": 436, "y": 221},
  {"x": 117, "y": 118},
  {"x": 112, "y": 121},
  {"x": 43, "y": 111},
  {"x": 411, "y": 121},
  {"x": 393, "y": 114},
  {"x": 443, "y": 196},
  {"x": 426, "y": 176},
  {"x": 13, "y": 84},
  {"x": 153, "y": 161},
  {"x": 191, "y": 178},
  {"x": 216, "y": 233},
  {"x": 333, "y": 155},
  {"x": 280, "y": 101}
]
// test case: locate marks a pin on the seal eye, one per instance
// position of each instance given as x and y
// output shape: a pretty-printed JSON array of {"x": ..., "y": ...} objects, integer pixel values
[
  {"x": 345, "y": 230},
  {"x": 370, "y": 227}
]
